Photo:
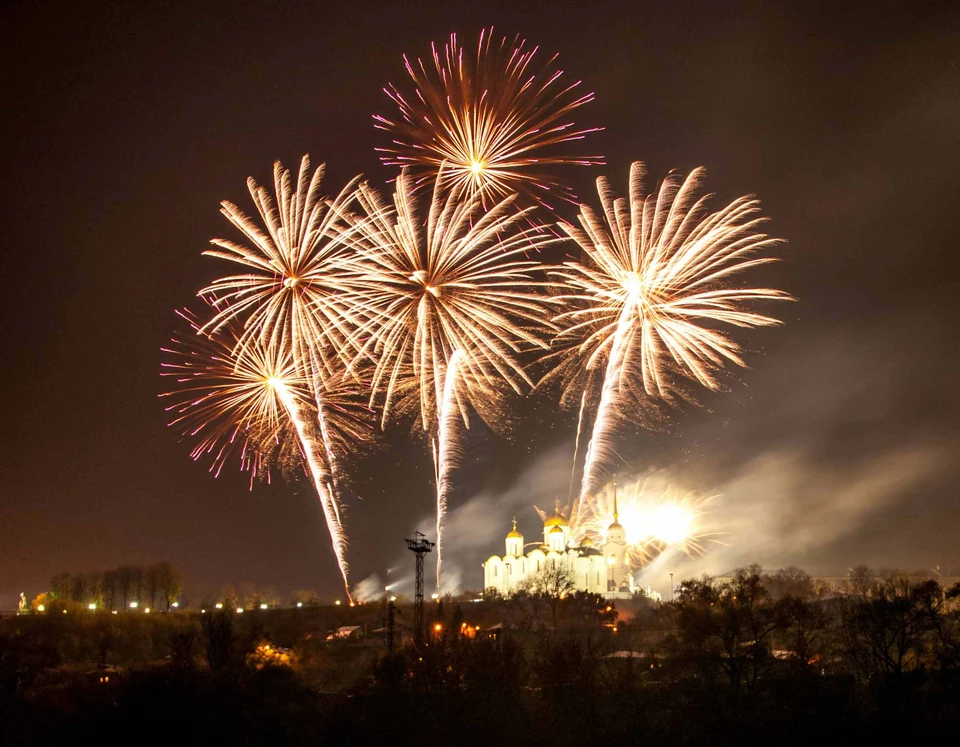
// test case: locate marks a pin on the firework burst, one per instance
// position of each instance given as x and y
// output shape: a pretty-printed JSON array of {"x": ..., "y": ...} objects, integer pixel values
[
  {"x": 493, "y": 117},
  {"x": 289, "y": 294},
  {"x": 227, "y": 403},
  {"x": 254, "y": 400},
  {"x": 450, "y": 306},
  {"x": 645, "y": 309},
  {"x": 290, "y": 300}
]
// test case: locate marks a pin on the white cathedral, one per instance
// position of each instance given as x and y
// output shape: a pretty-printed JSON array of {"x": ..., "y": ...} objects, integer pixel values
[{"x": 604, "y": 571}]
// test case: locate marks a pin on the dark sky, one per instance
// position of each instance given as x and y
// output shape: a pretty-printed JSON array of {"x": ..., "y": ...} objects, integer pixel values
[{"x": 125, "y": 126}]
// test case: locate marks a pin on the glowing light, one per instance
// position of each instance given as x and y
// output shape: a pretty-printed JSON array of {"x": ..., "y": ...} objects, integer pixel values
[
  {"x": 203, "y": 612},
  {"x": 451, "y": 304},
  {"x": 494, "y": 118},
  {"x": 41, "y": 608},
  {"x": 644, "y": 312},
  {"x": 652, "y": 518},
  {"x": 91, "y": 606},
  {"x": 337, "y": 602},
  {"x": 219, "y": 605},
  {"x": 299, "y": 604},
  {"x": 146, "y": 611},
  {"x": 239, "y": 610},
  {"x": 263, "y": 606},
  {"x": 134, "y": 605},
  {"x": 175, "y": 605}
]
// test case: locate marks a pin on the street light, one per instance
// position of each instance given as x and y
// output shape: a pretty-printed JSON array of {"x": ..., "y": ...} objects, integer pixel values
[
  {"x": 299, "y": 604},
  {"x": 134, "y": 605},
  {"x": 91, "y": 606},
  {"x": 263, "y": 606}
]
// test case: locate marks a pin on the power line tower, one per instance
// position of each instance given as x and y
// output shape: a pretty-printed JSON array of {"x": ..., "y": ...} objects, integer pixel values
[{"x": 420, "y": 546}]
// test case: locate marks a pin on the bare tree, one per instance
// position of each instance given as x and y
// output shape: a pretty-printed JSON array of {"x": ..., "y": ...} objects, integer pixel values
[{"x": 551, "y": 583}]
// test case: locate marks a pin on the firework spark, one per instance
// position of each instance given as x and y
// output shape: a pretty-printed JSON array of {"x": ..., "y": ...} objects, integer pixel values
[
  {"x": 652, "y": 520},
  {"x": 494, "y": 118},
  {"x": 645, "y": 308},
  {"x": 450, "y": 302}
]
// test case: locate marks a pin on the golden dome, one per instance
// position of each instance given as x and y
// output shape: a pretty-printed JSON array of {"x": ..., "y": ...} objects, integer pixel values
[
  {"x": 513, "y": 533},
  {"x": 587, "y": 542},
  {"x": 557, "y": 520},
  {"x": 556, "y": 529}
]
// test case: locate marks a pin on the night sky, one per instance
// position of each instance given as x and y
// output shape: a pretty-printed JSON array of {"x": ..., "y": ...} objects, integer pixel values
[{"x": 125, "y": 127}]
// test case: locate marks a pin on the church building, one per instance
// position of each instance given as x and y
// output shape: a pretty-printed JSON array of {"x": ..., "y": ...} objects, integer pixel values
[{"x": 604, "y": 571}]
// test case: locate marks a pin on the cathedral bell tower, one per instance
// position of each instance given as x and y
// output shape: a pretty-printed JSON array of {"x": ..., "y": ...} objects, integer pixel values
[
  {"x": 615, "y": 550},
  {"x": 514, "y": 541}
]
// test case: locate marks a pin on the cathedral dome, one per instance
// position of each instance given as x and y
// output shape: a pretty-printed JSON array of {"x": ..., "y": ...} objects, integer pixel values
[
  {"x": 587, "y": 542},
  {"x": 556, "y": 520},
  {"x": 513, "y": 533},
  {"x": 556, "y": 529}
]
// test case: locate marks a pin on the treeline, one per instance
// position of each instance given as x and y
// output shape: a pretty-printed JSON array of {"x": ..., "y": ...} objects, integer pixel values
[
  {"x": 156, "y": 587},
  {"x": 753, "y": 659}
]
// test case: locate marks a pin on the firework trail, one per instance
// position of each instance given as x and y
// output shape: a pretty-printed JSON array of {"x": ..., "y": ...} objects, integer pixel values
[
  {"x": 645, "y": 306},
  {"x": 289, "y": 297},
  {"x": 494, "y": 118},
  {"x": 445, "y": 452},
  {"x": 450, "y": 305},
  {"x": 576, "y": 444}
]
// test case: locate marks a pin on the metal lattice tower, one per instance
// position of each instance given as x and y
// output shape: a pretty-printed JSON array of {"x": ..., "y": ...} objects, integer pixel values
[{"x": 420, "y": 546}]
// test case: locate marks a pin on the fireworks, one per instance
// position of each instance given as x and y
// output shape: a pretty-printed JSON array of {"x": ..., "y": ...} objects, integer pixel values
[
  {"x": 228, "y": 403},
  {"x": 289, "y": 294},
  {"x": 451, "y": 305},
  {"x": 254, "y": 399},
  {"x": 646, "y": 306},
  {"x": 494, "y": 118},
  {"x": 291, "y": 300},
  {"x": 652, "y": 520},
  {"x": 345, "y": 304}
]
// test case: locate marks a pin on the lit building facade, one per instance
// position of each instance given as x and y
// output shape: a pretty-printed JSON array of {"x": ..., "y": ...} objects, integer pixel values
[{"x": 602, "y": 571}]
